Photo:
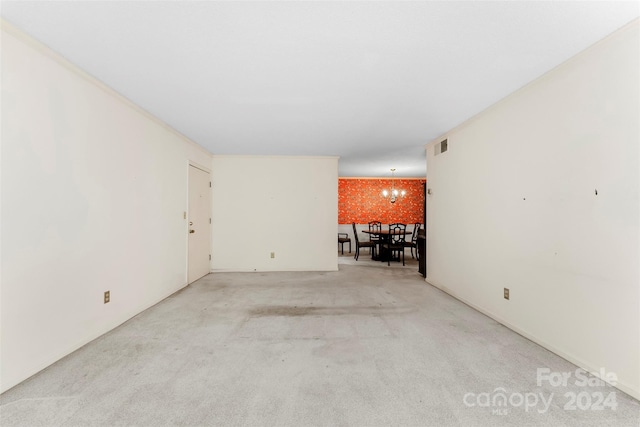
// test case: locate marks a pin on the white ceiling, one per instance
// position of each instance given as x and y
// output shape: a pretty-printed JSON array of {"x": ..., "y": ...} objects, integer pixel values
[{"x": 371, "y": 82}]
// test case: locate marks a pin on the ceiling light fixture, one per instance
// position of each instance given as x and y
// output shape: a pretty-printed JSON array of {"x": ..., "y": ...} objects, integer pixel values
[{"x": 393, "y": 194}]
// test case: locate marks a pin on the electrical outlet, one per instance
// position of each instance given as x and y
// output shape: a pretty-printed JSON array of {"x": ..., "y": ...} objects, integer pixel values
[
  {"x": 273, "y": 254},
  {"x": 107, "y": 296},
  {"x": 506, "y": 293}
]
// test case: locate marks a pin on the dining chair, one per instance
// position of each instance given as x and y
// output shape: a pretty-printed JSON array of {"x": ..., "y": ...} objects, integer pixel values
[
  {"x": 413, "y": 243},
  {"x": 395, "y": 241},
  {"x": 342, "y": 239},
  {"x": 375, "y": 226},
  {"x": 359, "y": 244}
]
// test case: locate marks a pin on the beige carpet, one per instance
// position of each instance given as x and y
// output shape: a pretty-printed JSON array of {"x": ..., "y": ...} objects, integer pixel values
[{"x": 364, "y": 346}]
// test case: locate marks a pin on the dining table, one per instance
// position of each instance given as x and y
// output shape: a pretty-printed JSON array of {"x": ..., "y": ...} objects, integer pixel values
[{"x": 384, "y": 236}]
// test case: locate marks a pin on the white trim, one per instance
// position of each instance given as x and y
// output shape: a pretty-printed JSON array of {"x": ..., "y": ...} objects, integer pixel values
[
  {"x": 266, "y": 156},
  {"x": 540, "y": 79},
  {"x": 199, "y": 166},
  {"x": 61, "y": 60},
  {"x": 595, "y": 371},
  {"x": 50, "y": 359}
]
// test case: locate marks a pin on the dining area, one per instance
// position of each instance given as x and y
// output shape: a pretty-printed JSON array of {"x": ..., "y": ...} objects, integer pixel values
[
  {"x": 385, "y": 242},
  {"x": 389, "y": 241},
  {"x": 383, "y": 245},
  {"x": 381, "y": 222}
]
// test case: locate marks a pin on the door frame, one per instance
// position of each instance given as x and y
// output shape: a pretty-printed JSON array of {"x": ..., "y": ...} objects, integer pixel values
[{"x": 187, "y": 215}]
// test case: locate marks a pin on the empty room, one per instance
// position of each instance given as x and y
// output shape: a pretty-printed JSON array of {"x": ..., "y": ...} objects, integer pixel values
[{"x": 320, "y": 213}]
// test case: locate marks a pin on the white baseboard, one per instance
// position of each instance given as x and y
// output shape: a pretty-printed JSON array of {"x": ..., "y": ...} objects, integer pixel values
[{"x": 595, "y": 371}]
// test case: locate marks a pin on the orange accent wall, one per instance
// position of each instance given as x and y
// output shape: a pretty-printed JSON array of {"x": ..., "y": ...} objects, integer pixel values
[{"x": 361, "y": 201}]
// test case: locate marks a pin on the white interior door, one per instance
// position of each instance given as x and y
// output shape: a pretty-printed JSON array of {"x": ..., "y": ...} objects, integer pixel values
[{"x": 199, "y": 223}]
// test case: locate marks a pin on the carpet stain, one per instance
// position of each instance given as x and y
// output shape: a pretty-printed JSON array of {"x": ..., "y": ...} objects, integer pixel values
[{"x": 296, "y": 311}]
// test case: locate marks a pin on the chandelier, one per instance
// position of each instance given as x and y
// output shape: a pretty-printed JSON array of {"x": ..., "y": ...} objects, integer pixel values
[{"x": 393, "y": 194}]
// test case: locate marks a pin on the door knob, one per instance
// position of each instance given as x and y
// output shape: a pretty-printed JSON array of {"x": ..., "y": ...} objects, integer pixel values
[{"x": 192, "y": 231}]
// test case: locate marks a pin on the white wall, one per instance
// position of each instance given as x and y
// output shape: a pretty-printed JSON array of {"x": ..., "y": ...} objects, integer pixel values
[
  {"x": 286, "y": 205},
  {"x": 93, "y": 195},
  {"x": 514, "y": 205}
]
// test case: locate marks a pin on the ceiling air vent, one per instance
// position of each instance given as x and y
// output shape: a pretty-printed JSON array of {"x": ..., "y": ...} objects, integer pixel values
[{"x": 441, "y": 147}]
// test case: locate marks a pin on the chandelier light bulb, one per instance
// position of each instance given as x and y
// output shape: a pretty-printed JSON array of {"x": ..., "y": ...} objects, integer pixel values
[{"x": 393, "y": 194}]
